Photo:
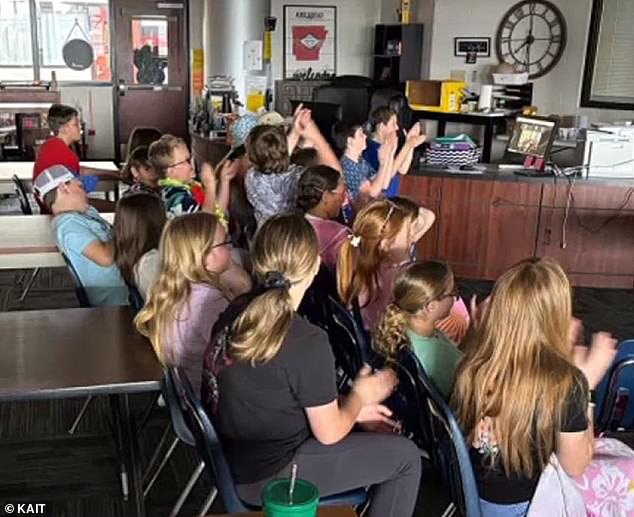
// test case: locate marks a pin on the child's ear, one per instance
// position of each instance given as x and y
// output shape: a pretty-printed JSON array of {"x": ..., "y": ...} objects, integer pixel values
[{"x": 134, "y": 171}]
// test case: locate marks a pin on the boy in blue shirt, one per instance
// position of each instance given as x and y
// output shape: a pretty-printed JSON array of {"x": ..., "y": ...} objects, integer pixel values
[{"x": 82, "y": 235}]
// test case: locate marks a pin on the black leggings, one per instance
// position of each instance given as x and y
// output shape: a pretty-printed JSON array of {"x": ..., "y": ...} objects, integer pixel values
[{"x": 390, "y": 464}]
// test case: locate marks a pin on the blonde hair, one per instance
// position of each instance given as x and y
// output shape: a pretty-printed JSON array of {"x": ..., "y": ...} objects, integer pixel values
[
  {"x": 414, "y": 288},
  {"x": 518, "y": 367},
  {"x": 358, "y": 267},
  {"x": 184, "y": 245},
  {"x": 161, "y": 151},
  {"x": 285, "y": 250}
]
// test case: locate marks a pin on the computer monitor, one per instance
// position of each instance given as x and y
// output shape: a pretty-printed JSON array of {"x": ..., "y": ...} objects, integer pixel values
[
  {"x": 325, "y": 114},
  {"x": 532, "y": 138}
]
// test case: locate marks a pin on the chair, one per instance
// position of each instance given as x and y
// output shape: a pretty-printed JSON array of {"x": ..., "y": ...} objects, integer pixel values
[
  {"x": 620, "y": 376},
  {"x": 135, "y": 298},
  {"x": 184, "y": 435},
  {"x": 210, "y": 449},
  {"x": 436, "y": 425},
  {"x": 141, "y": 136},
  {"x": 353, "y": 81},
  {"x": 354, "y": 101},
  {"x": 325, "y": 115}
]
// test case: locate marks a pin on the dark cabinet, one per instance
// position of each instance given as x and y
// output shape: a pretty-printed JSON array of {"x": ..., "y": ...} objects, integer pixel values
[{"x": 398, "y": 53}]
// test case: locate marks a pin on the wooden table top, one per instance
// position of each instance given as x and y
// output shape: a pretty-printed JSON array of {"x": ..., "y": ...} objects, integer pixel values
[
  {"x": 74, "y": 352},
  {"x": 324, "y": 511}
]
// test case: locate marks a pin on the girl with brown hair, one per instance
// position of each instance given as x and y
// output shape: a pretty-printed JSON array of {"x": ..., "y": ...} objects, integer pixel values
[
  {"x": 522, "y": 392},
  {"x": 423, "y": 296},
  {"x": 269, "y": 383},
  {"x": 138, "y": 224}
]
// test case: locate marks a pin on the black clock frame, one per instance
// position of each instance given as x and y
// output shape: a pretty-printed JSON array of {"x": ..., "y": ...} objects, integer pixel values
[{"x": 564, "y": 33}]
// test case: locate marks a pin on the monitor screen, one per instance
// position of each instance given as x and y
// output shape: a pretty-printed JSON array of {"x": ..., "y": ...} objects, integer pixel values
[{"x": 532, "y": 136}]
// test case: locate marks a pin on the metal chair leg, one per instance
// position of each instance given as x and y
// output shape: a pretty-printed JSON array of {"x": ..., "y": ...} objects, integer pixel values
[
  {"x": 83, "y": 409},
  {"x": 28, "y": 285},
  {"x": 450, "y": 510},
  {"x": 188, "y": 488},
  {"x": 160, "y": 467},
  {"x": 157, "y": 452},
  {"x": 208, "y": 502}
]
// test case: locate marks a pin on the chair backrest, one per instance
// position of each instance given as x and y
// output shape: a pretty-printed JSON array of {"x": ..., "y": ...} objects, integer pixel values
[
  {"x": 22, "y": 196},
  {"x": 345, "y": 338},
  {"x": 80, "y": 291},
  {"x": 448, "y": 448},
  {"x": 354, "y": 101},
  {"x": 135, "y": 297},
  {"x": 324, "y": 113},
  {"x": 173, "y": 402},
  {"x": 619, "y": 377},
  {"x": 141, "y": 136},
  {"x": 207, "y": 441},
  {"x": 354, "y": 81}
]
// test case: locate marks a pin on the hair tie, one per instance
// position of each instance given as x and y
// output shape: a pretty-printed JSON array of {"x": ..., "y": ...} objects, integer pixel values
[
  {"x": 276, "y": 280},
  {"x": 355, "y": 240}
]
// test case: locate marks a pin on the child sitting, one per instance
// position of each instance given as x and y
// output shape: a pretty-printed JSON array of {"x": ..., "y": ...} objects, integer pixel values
[
  {"x": 138, "y": 224},
  {"x": 423, "y": 296},
  {"x": 139, "y": 173},
  {"x": 373, "y": 256},
  {"x": 362, "y": 180},
  {"x": 188, "y": 295},
  {"x": 82, "y": 236},
  {"x": 271, "y": 184},
  {"x": 383, "y": 126},
  {"x": 172, "y": 162},
  {"x": 320, "y": 195}
]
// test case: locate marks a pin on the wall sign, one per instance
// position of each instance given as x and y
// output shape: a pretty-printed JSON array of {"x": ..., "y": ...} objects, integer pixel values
[
  {"x": 310, "y": 49},
  {"x": 462, "y": 47}
]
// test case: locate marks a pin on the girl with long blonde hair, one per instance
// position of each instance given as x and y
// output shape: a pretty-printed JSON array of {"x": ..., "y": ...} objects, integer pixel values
[
  {"x": 521, "y": 392},
  {"x": 269, "y": 383},
  {"x": 189, "y": 293},
  {"x": 423, "y": 296}
]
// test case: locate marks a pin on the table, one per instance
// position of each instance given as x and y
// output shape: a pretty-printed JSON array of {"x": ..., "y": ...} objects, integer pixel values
[
  {"x": 488, "y": 120},
  {"x": 324, "y": 511},
  {"x": 63, "y": 353},
  {"x": 24, "y": 171}
]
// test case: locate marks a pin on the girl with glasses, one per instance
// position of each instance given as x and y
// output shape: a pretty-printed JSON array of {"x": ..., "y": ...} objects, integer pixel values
[
  {"x": 423, "y": 296},
  {"x": 197, "y": 280}
]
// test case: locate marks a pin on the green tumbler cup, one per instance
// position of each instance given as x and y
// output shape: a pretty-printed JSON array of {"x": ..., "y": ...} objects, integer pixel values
[{"x": 276, "y": 504}]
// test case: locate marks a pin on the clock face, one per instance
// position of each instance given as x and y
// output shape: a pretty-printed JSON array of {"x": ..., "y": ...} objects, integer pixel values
[{"x": 532, "y": 37}]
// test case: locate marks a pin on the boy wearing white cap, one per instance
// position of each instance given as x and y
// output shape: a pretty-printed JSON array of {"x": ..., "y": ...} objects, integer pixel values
[{"x": 82, "y": 235}]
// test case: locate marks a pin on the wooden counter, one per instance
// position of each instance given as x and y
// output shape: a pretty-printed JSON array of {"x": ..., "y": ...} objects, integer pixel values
[{"x": 486, "y": 222}]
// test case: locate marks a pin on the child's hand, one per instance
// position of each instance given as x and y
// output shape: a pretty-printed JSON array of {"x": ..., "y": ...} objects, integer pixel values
[
  {"x": 208, "y": 177},
  {"x": 388, "y": 149},
  {"x": 228, "y": 170},
  {"x": 596, "y": 361},
  {"x": 414, "y": 138},
  {"x": 478, "y": 309}
]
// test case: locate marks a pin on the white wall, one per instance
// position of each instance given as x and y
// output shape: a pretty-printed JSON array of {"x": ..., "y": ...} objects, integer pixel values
[
  {"x": 95, "y": 104},
  {"x": 355, "y": 34},
  {"x": 557, "y": 92}
]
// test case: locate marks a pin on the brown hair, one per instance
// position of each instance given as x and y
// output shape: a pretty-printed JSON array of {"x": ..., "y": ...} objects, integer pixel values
[
  {"x": 58, "y": 115},
  {"x": 414, "y": 288},
  {"x": 137, "y": 158},
  {"x": 358, "y": 267},
  {"x": 50, "y": 198},
  {"x": 312, "y": 185},
  {"x": 160, "y": 153},
  {"x": 306, "y": 157},
  {"x": 138, "y": 224},
  {"x": 267, "y": 149},
  {"x": 380, "y": 115},
  {"x": 186, "y": 241},
  {"x": 518, "y": 367},
  {"x": 287, "y": 246}
]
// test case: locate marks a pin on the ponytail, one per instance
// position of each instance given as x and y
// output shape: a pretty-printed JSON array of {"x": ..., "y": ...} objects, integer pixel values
[{"x": 391, "y": 336}]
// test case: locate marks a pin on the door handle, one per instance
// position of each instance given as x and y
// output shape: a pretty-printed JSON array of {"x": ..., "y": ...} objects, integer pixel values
[{"x": 124, "y": 87}]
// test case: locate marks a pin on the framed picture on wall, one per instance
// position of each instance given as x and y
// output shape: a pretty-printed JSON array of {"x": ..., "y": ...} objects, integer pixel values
[
  {"x": 462, "y": 47},
  {"x": 310, "y": 42}
]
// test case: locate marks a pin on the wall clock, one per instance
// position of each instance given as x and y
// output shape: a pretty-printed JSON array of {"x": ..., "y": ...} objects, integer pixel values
[{"x": 532, "y": 37}]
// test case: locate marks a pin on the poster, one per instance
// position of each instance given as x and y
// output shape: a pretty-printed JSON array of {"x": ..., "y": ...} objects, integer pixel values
[
  {"x": 310, "y": 50},
  {"x": 198, "y": 75}
]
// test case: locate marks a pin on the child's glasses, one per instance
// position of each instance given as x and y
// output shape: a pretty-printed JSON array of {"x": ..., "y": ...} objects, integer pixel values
[
  {"x": 226, "y": 242},
  {"x": 186, "y": 160}
]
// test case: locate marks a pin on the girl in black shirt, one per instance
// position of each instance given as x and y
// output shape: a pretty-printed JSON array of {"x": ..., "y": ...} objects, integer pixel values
[{"x": 269, "y": 384}]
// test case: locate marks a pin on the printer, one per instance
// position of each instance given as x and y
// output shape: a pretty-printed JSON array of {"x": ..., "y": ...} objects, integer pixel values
[{"x": 609, "y": 152}]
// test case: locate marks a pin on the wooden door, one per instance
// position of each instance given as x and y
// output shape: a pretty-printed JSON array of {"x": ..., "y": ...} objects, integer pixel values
[
  {"x": 487, "y": 226},
  {"x": 592, "y": 239},
  {"x": 151, "y": 73}
]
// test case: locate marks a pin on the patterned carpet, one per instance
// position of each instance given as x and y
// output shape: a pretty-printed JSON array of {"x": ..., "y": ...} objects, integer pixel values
[{"x": 77, "y": 476}]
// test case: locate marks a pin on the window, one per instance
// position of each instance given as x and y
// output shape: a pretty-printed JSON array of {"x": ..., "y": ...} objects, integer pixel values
[
  {"x": 608, "y": 80},
  {"x": 16, "y": 57},
  {"x": 33, "y": 34}
]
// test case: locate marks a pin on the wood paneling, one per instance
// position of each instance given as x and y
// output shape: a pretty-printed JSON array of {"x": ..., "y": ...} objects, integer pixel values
[{"x": 594, "y": 237}]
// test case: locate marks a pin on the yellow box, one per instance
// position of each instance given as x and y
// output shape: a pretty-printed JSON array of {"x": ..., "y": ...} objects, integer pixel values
[{"x": 444, "y": 95}]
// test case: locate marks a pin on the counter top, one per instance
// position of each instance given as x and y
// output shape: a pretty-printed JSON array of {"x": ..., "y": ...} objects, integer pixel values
[{"x": 492, "y": 173}]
